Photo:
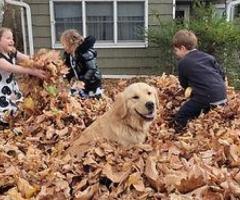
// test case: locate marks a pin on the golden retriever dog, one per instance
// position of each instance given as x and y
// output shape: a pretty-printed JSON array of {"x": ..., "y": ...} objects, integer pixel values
[{"x": 127, "y": 122}]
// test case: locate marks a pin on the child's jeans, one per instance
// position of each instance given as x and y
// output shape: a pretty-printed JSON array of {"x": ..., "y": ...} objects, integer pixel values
[{"x": 190, "y": 110}]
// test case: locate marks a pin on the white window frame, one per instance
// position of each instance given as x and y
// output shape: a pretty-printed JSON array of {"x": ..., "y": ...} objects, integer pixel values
[
  {"x": 220, "y": 6},
  {"x": 114, "y": 44}
]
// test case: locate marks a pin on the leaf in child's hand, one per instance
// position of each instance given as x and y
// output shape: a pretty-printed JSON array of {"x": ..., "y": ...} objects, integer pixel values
[{"x": 188, "y": 92}]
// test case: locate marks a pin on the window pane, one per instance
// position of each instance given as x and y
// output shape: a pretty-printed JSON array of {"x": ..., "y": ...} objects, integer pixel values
[
  {"x": 99, "y": 20},
  {"x": 131, "y": 21},
  {"x": 67, "y": 15}
]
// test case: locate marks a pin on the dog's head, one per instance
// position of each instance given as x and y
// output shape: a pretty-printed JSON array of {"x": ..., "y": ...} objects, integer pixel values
[{"x": 138, "y": 100}]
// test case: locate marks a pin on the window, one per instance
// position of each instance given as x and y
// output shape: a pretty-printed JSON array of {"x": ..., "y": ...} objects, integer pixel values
[
  {"x": 130, "y": 21},
  {"x": 100, "y": 23},
  {"x": 182, "y": 12},
  {"x": 70, "y": 18},
  {"x": 114, "y": 23}
]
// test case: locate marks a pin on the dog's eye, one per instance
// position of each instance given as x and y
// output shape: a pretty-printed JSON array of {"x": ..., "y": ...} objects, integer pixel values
[
  {"x": 149, "y": 93},
  {"x": 135, "y": 97}
]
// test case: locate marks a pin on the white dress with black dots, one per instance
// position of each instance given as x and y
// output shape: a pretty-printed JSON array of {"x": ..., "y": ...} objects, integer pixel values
[{"x": 9, "y": 90}]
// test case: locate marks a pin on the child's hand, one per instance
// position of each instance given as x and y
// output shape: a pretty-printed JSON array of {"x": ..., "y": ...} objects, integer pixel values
[
  {"x": 13, "y": 49},
  {"x": 39, "y": 73}
]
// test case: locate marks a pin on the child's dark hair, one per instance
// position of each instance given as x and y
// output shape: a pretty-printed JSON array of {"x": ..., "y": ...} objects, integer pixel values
[
  {"x": 3, "y": 30},
  {"x": 185, "y": 38}
]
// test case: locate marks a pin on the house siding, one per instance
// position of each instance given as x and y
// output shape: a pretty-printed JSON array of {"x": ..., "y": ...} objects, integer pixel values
[{"x": 111, "y": 61}]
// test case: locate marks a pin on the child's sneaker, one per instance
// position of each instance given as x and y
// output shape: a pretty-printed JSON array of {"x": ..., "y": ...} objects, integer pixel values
[
  {"x": 91, "y": 94},
  {"x": 74, "y": 92},
  {"x": 83, "y": 94},
  {"x": 97, "y": 94}
]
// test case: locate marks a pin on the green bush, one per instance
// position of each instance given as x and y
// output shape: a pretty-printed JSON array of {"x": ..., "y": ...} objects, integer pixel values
[{"x": 216, "y": 36}]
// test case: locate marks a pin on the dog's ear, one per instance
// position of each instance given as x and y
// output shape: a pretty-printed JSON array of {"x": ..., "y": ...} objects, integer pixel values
[
  {"x": 156, "y": 97},
  {"x": 120, "y": 107}
]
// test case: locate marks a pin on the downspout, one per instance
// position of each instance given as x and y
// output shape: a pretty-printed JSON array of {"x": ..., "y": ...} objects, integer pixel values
[
  {"x": 29, "y": 22},
  {"x": 23, "y": 30},
  {"x": 174, "y": 9},
  {"x": 1, "y": 12},
  {"x": 229, "y": 9}
]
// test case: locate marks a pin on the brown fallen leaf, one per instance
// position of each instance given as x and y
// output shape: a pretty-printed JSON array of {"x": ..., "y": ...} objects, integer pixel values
[
  {"x": 13, "y": 194},
  {"x": 152, "y": 174},
  {"x": 136, "y": 181},
  {"x": 114, "y": 176},
  {"x": 190, "y": 184},
  {"x": 235, "y": 152},
  {"x": 25, "y": 188},
  {"x": 87, "y": 194},
  {"x": 28, "y": 104}
]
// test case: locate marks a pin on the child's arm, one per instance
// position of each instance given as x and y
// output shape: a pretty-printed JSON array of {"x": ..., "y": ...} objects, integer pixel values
[
  {"x": 70, "y": 74},
  {"x": 89, "y": 59},
  {"x": 11, "y": 68},
  {"x": 220, "y": 69},
  {"x": 21, "y": 56},
  {"x": 88, "y": 43},
  {"x": 181, "y": 75}
]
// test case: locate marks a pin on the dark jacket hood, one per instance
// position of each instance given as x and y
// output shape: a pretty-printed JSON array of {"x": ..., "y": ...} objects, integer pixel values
[{"x": 87, "y": 44}]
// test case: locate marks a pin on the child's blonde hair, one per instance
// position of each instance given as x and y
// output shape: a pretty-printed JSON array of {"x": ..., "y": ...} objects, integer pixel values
[
  {"x": 185, "y": 38},
  {"x": 3, "y": 30},
  {"x": 71, "y": 37}
]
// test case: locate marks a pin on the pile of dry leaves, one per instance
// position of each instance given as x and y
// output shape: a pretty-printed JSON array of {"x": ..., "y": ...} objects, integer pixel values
[{"x": 203, "y": 163}]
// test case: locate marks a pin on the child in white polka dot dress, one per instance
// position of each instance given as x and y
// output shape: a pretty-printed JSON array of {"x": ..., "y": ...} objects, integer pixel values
[{"x": 9, "y": 91}]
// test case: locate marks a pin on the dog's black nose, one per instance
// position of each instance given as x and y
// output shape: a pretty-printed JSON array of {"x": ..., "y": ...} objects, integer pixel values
[{"x": 149, "y": 105}]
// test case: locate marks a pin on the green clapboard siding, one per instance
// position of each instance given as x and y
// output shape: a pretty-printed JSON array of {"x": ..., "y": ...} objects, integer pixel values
[{"x": 111, "y": 61}]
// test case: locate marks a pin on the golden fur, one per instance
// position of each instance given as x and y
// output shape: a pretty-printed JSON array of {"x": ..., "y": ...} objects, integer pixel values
[{"x": 127, "y": 122}]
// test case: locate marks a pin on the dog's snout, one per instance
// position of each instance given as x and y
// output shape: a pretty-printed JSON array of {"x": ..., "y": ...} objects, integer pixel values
[{"x": 149, "y": 105}]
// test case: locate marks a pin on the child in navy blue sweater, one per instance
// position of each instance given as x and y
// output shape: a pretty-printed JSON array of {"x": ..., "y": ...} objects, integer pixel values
[{"x": 202, "y": 73}]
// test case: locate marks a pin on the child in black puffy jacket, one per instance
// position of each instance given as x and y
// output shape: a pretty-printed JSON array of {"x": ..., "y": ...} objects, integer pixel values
[{"x": 80, "y": 57}]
